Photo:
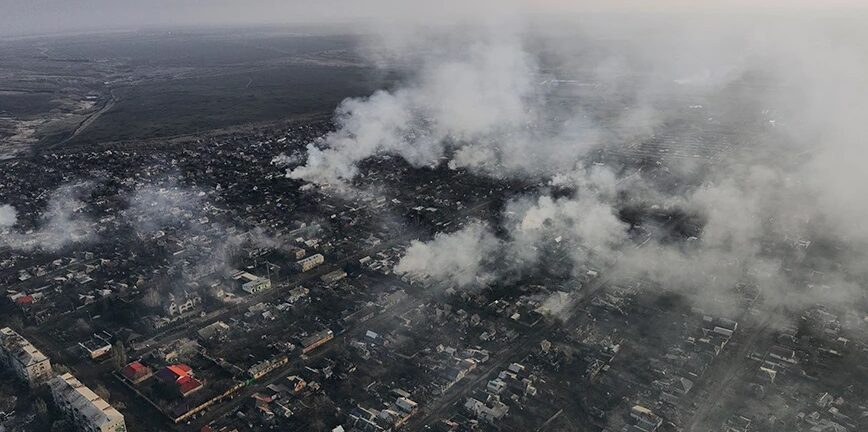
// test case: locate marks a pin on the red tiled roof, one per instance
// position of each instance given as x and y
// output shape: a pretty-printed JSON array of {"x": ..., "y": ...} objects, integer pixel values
[
  {"x": 181, "y": 370},
  {"x": 188, "y": 384},
  {"x": 134, "y": 370}
]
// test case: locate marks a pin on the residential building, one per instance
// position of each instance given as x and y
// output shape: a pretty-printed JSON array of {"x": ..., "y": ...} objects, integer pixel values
[
  {"x": 249, "y": 282},
  {"x": 87, "y": 410},
  {"x": 256, "y": 285},
  {"x": 317, "y": 339},
  {"x": 181, "y": 304},
  {"x": 181, "y": 377},
  {"x": 22, "y": 357},
  {"x": 490, "y": 411},
  {"x": 645, "y": 418},
  {"x": 136, "y": 372},
  {"x": 310, "y": 262},
  {"x": 96, "y": 347}
]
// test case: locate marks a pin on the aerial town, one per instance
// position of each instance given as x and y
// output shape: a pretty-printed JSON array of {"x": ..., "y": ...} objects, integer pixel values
[
  {"x": 285, "y": 275},
  {"x": 232, "y": 298}
]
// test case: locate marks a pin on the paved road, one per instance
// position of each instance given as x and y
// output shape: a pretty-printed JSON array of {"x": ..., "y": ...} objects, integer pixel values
[
  {"x": 89, "y": 120},
  {"x": 725, "y": 370}
]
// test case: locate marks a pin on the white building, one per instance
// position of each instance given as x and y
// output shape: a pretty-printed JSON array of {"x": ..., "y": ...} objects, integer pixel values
[
  {"x": 179, "y": 306},
  {"x": 490, "y": 411},
  {"x": 310, "y": 262},
  {"x": 22, "y": 357},
  {"x": 89, "y": 411},
  {"x": 250, "y": 283},
  {"x": 96, "y": 347},
  {"x": 256, "y": 285}
]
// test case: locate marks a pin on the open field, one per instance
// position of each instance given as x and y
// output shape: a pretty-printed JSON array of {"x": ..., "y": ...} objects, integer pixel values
[
  {"x": 88, "y": 89},
  {"x": 166, "y": 108}
]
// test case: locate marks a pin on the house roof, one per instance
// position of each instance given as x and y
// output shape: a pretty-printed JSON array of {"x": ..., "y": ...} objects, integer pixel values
[
  {"x": 174, "y": 373},
  {"x": 181, "y": 370},
  {"x": 136, "y": 366},
  {"x": 134, "y": 370},
  {"x": 188, "y": 384}
]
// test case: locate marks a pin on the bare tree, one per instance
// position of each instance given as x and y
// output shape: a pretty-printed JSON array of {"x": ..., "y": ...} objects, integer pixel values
[
  {"x": 40, "y": 407},
  {"x": 102, "y": 392},
  {"x": 119, "y": 355}
]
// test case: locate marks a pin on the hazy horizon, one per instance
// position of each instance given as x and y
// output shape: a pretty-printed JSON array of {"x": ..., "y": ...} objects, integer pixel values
[{"x": 45, "y": 17}]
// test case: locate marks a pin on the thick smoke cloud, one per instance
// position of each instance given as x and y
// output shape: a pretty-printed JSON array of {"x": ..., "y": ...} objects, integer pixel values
[
  {"x": 587, "y": 225},
  {"x": 460, "y": 258},
  {"x": 779, "y": 205},
  {"x": 482, "y": 101}
]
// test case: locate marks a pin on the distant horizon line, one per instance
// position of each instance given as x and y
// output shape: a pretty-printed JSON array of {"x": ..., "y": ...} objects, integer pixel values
[{"x": 366, "y": 25}]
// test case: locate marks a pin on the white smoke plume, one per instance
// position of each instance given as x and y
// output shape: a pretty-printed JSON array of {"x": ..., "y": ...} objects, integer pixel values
[
  {"x": 283, "y": 160},
  {"x": 61, "y": 223},
  {"x": 587, "y": 223},
  {"x": 153, "y": 207},
  {"x": 8, "y": 216},
  {"x": 482, "y": 94},
  {"x": 460, "y": 258},
  {"x": 755, "y": 227},
  {"x": 782, "y": 93},
  {"x": 184, "y": 211},
  {"x": 480, "y": 100}
]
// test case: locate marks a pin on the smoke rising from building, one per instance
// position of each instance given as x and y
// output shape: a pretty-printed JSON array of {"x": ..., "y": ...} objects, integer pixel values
[
  {"x": 457, "y": 258},
  {"x": 488, "y": 105},
  {"x": 61, "y": 223}
]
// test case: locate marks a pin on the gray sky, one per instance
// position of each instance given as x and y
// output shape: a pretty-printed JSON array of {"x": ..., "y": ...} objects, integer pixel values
[{"x": 52, "y": 16}]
